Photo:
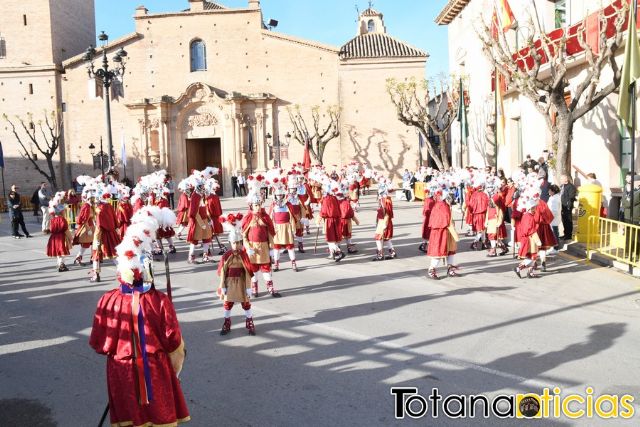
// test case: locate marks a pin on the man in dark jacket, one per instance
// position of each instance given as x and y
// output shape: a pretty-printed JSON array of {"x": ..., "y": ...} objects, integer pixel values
[
  {"x": 567, "y": 199},
  {"x": 15, "y": 213}
]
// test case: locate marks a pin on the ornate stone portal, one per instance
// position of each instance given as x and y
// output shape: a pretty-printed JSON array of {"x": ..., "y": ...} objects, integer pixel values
[{"x": 204, "y": 113}]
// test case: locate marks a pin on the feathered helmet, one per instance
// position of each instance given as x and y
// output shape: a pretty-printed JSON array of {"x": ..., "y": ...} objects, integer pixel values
[
  {"x": 56, "y": 204},
  {"x": 232, "y": 224},
  {"x": 133, "y": 263},
  {"x": 529, "y": 187},
  {"x": 255, "y": 184}
]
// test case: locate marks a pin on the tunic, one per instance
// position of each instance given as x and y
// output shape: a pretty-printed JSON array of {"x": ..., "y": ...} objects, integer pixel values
[
  {"x": 182, "y": 212},
  {"x": 85, "y": 226},
  {"x": 112, "y": 336},
  {"x": 384, "y": 229},
  {"x": 106, "y": 237},
  {"x": 284, "y": 223},
  {"x": 58, "y": 244},
  {"x": 199, "y": 227},
  {"x": 346, "y": 218},
  {"x": 330, "y": 212},
  {"x": 123, "y": 216},
  {"x": 426, "y": 212},
  {"x": 258, "y": 232},
  {"x": 528, "y": 236},
  {"x": 235, "y": 273},
  {"x": 164, "y": 233},
  {"x": 215, "y": 211},
  {"x": 478, "y": 205},
  {"x": 544, "y": 217},
  {"x": 443, "y": 237}
]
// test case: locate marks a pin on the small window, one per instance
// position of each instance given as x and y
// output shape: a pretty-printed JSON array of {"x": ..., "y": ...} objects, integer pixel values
[
  {"x": 371, "y": 26},
  {"x": 198, "y": 56},
  {"x": 3, "y": 48},
  {"x": 30, "y": 88},
  {"x": 24, "y": 20},
  {"x": 561, "y": 13}
]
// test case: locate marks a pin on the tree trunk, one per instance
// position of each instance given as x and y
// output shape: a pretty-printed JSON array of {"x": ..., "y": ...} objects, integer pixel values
[
  {"x": 564, "y": 132},
  {"x": 52, "y": 173},
  {"x": 444, "y": 157}
]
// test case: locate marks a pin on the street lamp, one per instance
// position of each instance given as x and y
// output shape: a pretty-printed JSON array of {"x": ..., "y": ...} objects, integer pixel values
[
  {"x": 101, "y": 155},
  {"x": 107, "y": 76}
]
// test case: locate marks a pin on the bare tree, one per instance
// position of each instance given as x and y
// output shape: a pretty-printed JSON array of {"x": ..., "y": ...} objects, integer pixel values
[
  {"x": 423, "y": 106},
  {"x": 539, "y": 71},
  {"x": 45, "y": 135},
  {"x": 318, "y": 136}
]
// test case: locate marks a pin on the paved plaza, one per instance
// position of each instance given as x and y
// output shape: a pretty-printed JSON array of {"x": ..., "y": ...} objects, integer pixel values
[{"x": 329, "y": 350}]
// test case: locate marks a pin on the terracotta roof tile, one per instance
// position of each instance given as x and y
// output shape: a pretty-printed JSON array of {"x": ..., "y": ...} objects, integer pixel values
[
  {"x": 377, "y": 45},
  {"x": 371, "y": 12}
]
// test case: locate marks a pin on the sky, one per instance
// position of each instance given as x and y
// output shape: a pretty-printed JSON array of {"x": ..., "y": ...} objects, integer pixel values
[{"x": 332, "y": 22}]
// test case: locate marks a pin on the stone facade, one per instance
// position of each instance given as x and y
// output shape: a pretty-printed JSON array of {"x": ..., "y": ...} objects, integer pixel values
[{"x": 170, "y": 116}]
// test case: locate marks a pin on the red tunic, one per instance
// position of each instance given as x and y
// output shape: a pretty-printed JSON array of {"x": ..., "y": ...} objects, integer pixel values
[
  {"x": 195, "y": 208},
  {"x": 468, "y": 219},
  {"x": 106, "y": 227},
  {"x": 543, "y": 217},
  {"x": 258, "y": 234},
  {"x": 498, "y": 201},
  {"x": 346, "y": 216},
  {"x": 478, "y": 205},
  {"x": 426, "y": 212},
  {"x": 182, "y": 217},
  {"x": 84, "y": 222},
  {"x": 123, "y": 216},
  {"x": 386, "y": 210},
  {"x": 526, "y": 228},
  {"x": 439, "y": 222},
  {"x": 58, "y": 244},
  {"x": 164, "y": 233},
  {"x": 330, "y": 211},
  {"x": 111, "y": 335},
  {"x": 509, "y": 197},
  {"x": 215, "y": 211}
]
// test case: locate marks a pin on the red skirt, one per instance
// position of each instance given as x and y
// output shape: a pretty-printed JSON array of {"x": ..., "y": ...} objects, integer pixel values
[
  {"x": 388, "y": 233},
  {"x": 501, "y": 234},
  {"x": 524, "y": 251},
  {"x": 122, "y": 230},
  {"x": 110, "y": 240},
  {"x": 333, "y": 231},
  {"x": 346, "y": 231},
  {"x": 469, "y": 217},
  {"x": 426, "y": 231},
  {"x": 182, "y": 218},
  {"x": 217, "y": 225},
  {"x": 478, "y": 221},
  {"x": 548, "y": 239},
  {"x": 57, "y": 245},
  {"x": 437, "y": 246},
  {"x": 167, "y": 406},
  {"x": 165, "y": 233}
]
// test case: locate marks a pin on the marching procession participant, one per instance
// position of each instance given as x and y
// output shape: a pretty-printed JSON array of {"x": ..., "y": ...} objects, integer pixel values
[
  {"x": 284, "y": 222},
  {"x": 165, "y": 228},
  {"x": 384, "y": 221},
  {"x": 105, "y": 238},
  {"x": 258, "y": 232},
  {"x": 478, "y": 205},
  {"x": 182, "y": 212},
  {"x": 136, "y": 327},
  {"x": 298, "y": 208},
  {"x": 443, "y": 237},
  {"x": 544, "y": 217},
  {"x": 85, "y": 221},
  {"x": 494, "y": 222},
  {"x": 347, "y": 218},
  {"x": 526, "y": 226},
  {"x": 213, "y": 204},
  {"x": 427, "y": 206},
  {"x": 236, "y": 275},
  {"x": 306, "y": 197},
  {"x": 199, "y": 221},
  {"x": 330, "y": 215},
  {"x": 124, "y": 212},
  {"x": 60, "y": 241}
]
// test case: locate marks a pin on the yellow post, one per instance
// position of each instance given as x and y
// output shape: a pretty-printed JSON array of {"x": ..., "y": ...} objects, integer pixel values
[{"x": 589, "y": 202}]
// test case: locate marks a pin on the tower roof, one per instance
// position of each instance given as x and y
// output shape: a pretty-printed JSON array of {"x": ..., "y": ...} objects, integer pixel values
[
  {"x": 371, "y": 12},
  {"x": 379, "y": 45}
]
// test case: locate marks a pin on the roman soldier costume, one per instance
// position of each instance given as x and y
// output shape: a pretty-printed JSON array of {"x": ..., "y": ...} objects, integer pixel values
[
  {"x": 478, "y": 205},
  {"x": 182, "y": 212},
  {"x": 85, "y": 224},
  {"x": 60, "y": 240},
  {"x": 298, "y": 208},
  {"x": 236, "y": 275},
  {"x": 347, "y": 218},
  {"x": 199, "y": 221},
  {"x": 124, "y": 211},
  {"x": 136, "y": 327},
  {"x": 544, "y": 217},
  {"x": 106, "y": 238},
  {"x": 443, "y": 237},
  {"x": 285, "y": 224},
  {"x": 427, "y": 206},
  {"x": 330, "y": 213},
  {"x": 384, "y": 221}
]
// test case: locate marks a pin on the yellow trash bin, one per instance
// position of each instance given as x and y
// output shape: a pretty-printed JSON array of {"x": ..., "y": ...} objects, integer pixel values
[{"x": 589, "y": 203}]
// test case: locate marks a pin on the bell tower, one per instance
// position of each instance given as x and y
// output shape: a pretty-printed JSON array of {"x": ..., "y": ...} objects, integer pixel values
[{"x": 371, "y": 22}]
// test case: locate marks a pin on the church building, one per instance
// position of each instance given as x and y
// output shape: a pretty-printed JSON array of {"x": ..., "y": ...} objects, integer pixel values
[{"x": 208, "y": 85}]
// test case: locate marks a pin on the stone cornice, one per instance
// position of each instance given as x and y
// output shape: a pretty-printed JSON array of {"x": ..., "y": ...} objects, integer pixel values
[
  {"x": 30, "y": 68},
  {"x": 300, "y": 41},
  {"x": 78, "y": 59},
  {"x": 196, "y": 13},
  {"x": 450, "y": 11}
]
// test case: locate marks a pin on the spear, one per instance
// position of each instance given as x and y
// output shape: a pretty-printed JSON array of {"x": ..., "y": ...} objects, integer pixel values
[{"x": 167, "y": 274}]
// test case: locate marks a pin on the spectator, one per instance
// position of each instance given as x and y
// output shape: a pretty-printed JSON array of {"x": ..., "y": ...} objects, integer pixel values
[
  {"x": 591, "y": 177},
  {"x": 626, "y": 202},
  {"x": 501, "y": 174},
  {"x": 35, "y": 202},
  {"x": 242, "y": 183},
  {"x": 44, "y": 195},
  {"x": 529, "y": 163},
  {"x": 544, "y": 166},
  {"x": 567, "y": 199},
  {"x": 73, "y": 203},
  {"x": 172, "y": 190},
  {"x": 544, "y": 188},
  {"x": 556, "y": 209},
  {"x": 15, "y": 213},
  {"x": 234, "y": 184}
]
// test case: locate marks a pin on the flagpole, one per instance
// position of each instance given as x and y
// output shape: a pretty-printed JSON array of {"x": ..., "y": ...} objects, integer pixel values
[
  {"x": 632, "y": 90},
  {"x": 495, "y": 102},
  {"x": 461, "y": 125}
]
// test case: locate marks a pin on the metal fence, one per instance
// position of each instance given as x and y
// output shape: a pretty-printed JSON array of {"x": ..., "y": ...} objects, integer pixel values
[{"x": 614, "y": 239}]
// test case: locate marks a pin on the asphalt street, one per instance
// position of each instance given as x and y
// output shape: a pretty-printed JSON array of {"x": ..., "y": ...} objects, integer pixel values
[{"x": 328, "y": 351}]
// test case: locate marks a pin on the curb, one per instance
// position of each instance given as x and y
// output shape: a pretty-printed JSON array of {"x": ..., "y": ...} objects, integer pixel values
[{"x": 580, "y": 250}]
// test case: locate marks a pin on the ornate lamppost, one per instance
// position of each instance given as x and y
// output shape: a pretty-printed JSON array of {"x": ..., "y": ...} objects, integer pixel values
[
  {"x": 276, "y": 147},
  {"x": 97, "y": 157},
  {"x": 107, "y": 76}
]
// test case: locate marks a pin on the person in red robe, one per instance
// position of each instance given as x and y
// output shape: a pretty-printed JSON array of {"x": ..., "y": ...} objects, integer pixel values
[
  {"x": 443, "y": 237},
  {"x": 236, "y": 274},
  {"x": 495, "y": 227},
  {"x": 137, "y": 328},
  {"x": 199, "y": 225},
  {"x": 182, "y": 212},
  {"x": 299, "y": 211},
  {"x": 528, "y": 239},
  {"x": 59, "y": 243},
  {"x": 105, "y": 238},
  {"x": 306, "y": 198},
  {"x": 215, "y": 211},
  {"x": 347, "y": 219},
  {"x": 284, "y": 222},
  {"x": 73, "y": 201},
  {"x": 427, "y": 206},
  {"x": 165, "y": 231},
  {"x": 478, "y": 205},
  {"x": 384, "y": 224},
  {"x": 330, "y": 214},
  {"x": 544, "y": 217},
  {"x": 124, "y": 212},
  {"x": 258, "y": 232},
  {"x": 85, "y": 226},
  {"x": 468, "y": 215}
]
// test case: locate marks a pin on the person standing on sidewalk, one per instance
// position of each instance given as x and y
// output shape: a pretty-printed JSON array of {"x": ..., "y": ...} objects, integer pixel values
[
  {"x": 35, "y": 202},
  {"x": 567, "y": 199},
  {"x": 15, "y": 213},
  {"x": 234, "y": 184},
  {"x": 172, "y": 190},
  {"x": 242, "y": 184},
  {"x": 44, "y": 196}
]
